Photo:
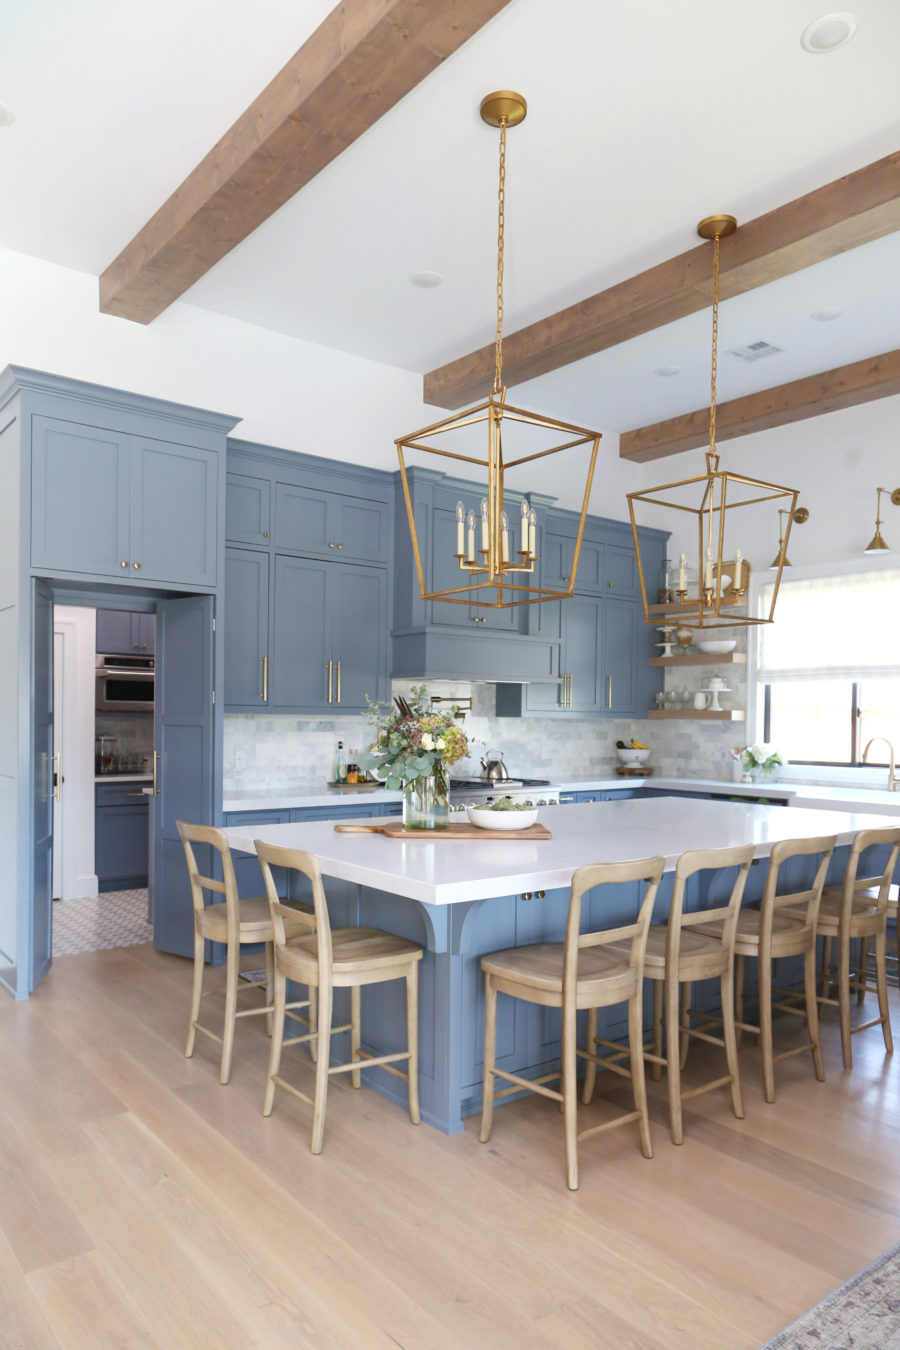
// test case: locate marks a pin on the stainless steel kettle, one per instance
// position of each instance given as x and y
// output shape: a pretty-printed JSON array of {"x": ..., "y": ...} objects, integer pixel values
[{"x": 493, "y": 769}]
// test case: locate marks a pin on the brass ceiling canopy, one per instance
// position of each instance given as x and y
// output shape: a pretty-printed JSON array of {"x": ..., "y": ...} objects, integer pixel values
[
  {"x": 712, "y": 588},
  {"x": 493, "y": 567}
]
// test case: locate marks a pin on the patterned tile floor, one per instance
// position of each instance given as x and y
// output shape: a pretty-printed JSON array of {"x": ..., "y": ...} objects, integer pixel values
[{"x": 114, "y": 919}]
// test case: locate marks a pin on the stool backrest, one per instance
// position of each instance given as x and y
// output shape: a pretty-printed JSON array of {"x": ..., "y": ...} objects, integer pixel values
[
  {"x": 853, "y": 882},
  {"x": 216, "y": 839},
  {"x": 688, "y": 865},
  {"x": 602, "y": 874},
  {"x": 772, "y": 901},
  {"x": 318, "y": 923}
]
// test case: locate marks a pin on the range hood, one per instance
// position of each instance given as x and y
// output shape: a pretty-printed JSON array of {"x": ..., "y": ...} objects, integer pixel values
[{"x": 434, "y": 653}]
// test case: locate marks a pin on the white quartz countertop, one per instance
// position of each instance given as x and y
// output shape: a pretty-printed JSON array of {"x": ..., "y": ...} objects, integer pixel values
[
  {"x": 289, "y": 799},
  {"x": 450, "y": 872},
  {"x": 824, "y": 798}
]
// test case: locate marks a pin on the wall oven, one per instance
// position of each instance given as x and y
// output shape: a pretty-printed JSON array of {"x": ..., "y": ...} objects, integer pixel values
[{"x": 125, "y": 684}]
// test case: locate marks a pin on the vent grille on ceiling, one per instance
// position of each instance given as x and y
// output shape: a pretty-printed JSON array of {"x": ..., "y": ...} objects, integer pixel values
[{"x": 755, "y": 351}]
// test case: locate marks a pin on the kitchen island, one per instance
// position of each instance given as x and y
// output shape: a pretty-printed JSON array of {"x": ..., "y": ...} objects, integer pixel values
[{"x": 463, "y": 899}]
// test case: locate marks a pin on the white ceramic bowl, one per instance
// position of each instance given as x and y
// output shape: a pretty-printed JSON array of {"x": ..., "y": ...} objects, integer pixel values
[
  {"x": 501, "y": 820},
  {"x": 633, "y": 757},
  {"x": 716, "y": 648}
]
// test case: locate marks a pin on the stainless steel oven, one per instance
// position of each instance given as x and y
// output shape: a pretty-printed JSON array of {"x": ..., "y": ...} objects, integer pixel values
[{"x": 125, "y": 684}]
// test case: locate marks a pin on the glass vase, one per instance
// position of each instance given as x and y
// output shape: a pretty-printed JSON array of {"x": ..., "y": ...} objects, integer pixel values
[{"x": 426, "y": 804}]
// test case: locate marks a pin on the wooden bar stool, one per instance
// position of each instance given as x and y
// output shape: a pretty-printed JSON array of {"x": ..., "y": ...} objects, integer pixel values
[
  {"x": 857, "y": 908},
  {"x": 784, "y": 925},
  {"x": 237, "y": 923},
  {"x": 326, "y": 959},
  {"x": 677, "y": 955},
  {"x": 585, "y": 971}
]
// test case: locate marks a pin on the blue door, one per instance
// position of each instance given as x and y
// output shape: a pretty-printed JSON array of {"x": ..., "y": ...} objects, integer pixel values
[
  {"x": 43, "y": 779},
  {"x": 184, "y": 734}
]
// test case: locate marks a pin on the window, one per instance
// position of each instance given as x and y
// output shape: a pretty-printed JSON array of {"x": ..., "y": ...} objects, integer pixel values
[{"x": 828, "y": 672}]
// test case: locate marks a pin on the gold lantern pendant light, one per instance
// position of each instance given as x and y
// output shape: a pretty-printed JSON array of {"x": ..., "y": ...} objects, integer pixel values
[
  {"x": 719, "y": 578},
  {"x": 486, "y": 552}
]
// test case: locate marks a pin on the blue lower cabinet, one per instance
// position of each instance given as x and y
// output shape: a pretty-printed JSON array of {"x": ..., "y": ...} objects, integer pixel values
[
  {"x": 121, "y": 836},
  {"x": 246, "y": 866}
]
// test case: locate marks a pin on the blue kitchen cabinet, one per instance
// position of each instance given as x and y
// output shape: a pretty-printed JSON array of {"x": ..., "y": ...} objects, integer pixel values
[
  {"x": 329, "y": 636},
  {"x": 122, "y": 632},
  {"x": 246, "y": 627},
  {"x": 318, "y": 522},
  {"x": 248, "y": 509},
  {"x": 121, "y": 836},
  {"x": 152, "y": 505},
  {"x": 246, "y": 865},
  {"x": 114, "y": 631}
]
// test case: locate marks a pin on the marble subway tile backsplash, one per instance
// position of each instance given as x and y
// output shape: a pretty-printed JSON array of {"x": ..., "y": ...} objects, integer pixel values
[{"x": 281, "y": 752}]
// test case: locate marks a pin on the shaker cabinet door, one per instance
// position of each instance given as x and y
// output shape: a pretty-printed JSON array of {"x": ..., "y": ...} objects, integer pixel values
[
  {"x": 246, "y": 627},
  {"x": 248, "y": 502},
  {"x": 582, "y": 652},
  {"x": 174, "y": 513},
  {"x": 80, "y": 496},
  {"x": 301, "y": 637},
  {"x": 620, "y": 651},
  {"x": 358, "y": 602}
]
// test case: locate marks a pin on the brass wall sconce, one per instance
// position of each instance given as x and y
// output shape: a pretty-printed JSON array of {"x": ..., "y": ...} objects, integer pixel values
[
  {"x": 877, "y": 544},
  {"x": 800, "y": 517}
]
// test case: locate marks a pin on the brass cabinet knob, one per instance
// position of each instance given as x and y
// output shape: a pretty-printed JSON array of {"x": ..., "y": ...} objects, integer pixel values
[
  {"x": 137, "y": 566},
  {"x": 124, "y": 562},
  {"x": 265, "y": 534},
  {"x": 526, "y": 895}
]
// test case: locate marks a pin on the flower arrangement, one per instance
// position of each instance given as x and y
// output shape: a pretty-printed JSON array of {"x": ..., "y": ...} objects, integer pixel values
[
  {"x": 411, "y": 742},
  {"x": 762, "y": 756}
]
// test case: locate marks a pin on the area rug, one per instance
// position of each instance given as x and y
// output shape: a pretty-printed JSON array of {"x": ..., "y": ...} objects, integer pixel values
[{"x": 863, "y": 1314}]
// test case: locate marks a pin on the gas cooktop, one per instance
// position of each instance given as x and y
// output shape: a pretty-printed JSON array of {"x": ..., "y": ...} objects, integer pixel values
[{"x": 469, "y": 784}]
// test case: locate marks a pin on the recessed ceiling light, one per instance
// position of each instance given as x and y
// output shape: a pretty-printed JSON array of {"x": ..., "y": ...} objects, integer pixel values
[
  {"x": 667, "y": 370},
  {"x": 426, "y": 279},
  {"x": 827, "y": 33},
  {"x": 6, "y": 115},
  {"x": 826, "y": 315}
]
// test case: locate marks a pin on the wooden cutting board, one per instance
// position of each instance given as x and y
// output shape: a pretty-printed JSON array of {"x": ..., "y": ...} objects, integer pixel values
[{"x": 395, "y": 830}]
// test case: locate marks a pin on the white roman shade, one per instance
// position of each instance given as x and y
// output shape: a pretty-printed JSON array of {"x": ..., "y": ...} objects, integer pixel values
[{"x": 832, "y": 627}]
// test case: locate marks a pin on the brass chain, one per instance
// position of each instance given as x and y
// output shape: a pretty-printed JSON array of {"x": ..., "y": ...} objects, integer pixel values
[
  {"x": 715, "y": 353},
  {"x": 501, "y": 220}
]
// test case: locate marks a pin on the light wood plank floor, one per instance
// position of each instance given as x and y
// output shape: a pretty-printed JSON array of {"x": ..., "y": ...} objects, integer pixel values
[{"x": 143, "y": 1205}]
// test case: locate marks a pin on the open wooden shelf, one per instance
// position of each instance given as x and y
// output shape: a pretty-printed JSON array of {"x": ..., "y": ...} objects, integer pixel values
[
  {"x": 699, "y": 714},
  {"x": 702, "y": 659}
]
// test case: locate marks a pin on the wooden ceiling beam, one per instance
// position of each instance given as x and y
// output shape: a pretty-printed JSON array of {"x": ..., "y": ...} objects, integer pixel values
[
  {"x": 358, "y": 64},
  {"x": 843, "y": 387},
  {"x": 853, "y": 210}
]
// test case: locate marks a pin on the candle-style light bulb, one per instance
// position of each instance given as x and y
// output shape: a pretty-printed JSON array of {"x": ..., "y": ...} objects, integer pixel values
[
  {"x": 682, "y": 573},
  {"x": 470, "y": 542},
  {"x": 484, "y": 525},
  {"x": 532, "y": 533},
  {"x": 738, "y": 568},
  {"x": 709, "y": 569},
  {"x": 460, "y": 526},
  {"x": 524, "y": 511},
  {"x": 504, "y": 537}
]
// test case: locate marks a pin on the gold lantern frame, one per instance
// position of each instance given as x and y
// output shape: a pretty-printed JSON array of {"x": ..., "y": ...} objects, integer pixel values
[
  {"x": 722, "y": 583},
  {"x": 487, "y": 567}
]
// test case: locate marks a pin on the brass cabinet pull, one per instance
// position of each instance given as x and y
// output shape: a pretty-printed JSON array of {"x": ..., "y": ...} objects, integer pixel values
[
  {"x": 331, "y": 543},
  {"x": 137, "y": 566},
  {"x": 265, "y": 675},
  {"x": 124, "y": 562},
  {"x": 340, "y": 545},
  {"x": 265, "y": 534},
  {"x": 338, "y": 682},
  {"x": 571, "y": 689},
  {"x": 526, "y": 895},
  {"x": 609, "y": 691},
  {"x": 540, "y": 894},
  {"x": 155, "y": 779},
  {"x": 134, "y": 794},
  {"x": 330, "y": 675},
  {"x": 57, "y": 773}
]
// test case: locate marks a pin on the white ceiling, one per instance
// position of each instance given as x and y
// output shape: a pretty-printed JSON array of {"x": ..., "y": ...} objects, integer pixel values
[{"x": 643, "y": 117}]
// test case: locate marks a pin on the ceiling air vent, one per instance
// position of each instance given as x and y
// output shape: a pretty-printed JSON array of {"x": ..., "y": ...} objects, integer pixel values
[{"x": 755, "y": 351}]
